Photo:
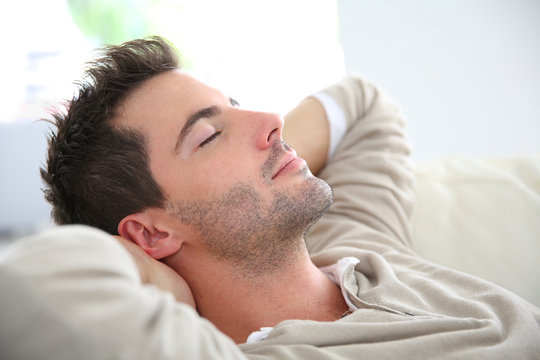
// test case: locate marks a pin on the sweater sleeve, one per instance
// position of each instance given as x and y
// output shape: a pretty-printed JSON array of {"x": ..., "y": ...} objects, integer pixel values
[
  {"x": 369, "y": 172},
  {"x": 75, "y": 293}
]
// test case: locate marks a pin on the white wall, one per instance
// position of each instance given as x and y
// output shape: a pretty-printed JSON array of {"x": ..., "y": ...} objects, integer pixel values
[{"x": 466, "y": 73}]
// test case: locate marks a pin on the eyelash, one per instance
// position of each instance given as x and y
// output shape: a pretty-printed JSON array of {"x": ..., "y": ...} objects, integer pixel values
[{"x": 210, "y": 139}]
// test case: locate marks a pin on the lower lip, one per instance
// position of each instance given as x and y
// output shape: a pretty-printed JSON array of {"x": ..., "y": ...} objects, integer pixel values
[{"x": 292, "y": 166}]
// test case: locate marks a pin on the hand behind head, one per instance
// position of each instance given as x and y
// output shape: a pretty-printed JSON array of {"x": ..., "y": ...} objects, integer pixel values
[{"x": 158, "y": 274}]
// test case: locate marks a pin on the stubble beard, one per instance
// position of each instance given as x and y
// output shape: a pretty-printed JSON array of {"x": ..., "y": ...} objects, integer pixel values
[{"x": 255, "y": 237}]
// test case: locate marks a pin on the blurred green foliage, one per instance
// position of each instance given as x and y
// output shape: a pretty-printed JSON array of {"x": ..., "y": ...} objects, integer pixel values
[{"x": 111, "y": 21}]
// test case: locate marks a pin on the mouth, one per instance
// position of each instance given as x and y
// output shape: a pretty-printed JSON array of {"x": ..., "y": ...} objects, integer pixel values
[{"x": 289, "y": 162}]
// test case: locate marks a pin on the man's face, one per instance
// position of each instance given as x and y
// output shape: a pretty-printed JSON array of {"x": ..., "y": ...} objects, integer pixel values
[{"x": 225, "y": 171}]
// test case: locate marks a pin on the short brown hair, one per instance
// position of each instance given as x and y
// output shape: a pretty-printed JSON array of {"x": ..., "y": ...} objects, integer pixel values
[{"x": 97, "y": 174}]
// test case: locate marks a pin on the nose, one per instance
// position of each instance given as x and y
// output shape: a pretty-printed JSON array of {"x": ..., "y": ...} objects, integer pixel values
[{"x": 267, "y": 128}]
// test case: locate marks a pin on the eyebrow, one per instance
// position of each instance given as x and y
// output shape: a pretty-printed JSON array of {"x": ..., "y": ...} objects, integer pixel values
[{"x": 205, "y": 113}]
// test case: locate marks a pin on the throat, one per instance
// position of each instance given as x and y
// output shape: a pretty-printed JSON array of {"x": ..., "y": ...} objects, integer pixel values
[{"x": 245, "y": 308}]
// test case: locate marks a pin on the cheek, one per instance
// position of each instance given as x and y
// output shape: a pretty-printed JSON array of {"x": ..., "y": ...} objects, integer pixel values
[{"x": 226, "y": 171}]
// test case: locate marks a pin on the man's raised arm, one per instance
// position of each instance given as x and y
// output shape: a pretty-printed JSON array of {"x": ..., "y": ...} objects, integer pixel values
[{"x": 368, "y": 167}]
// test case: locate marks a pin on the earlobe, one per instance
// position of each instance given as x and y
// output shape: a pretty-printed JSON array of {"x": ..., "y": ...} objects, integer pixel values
[{"x": 155, "y": 240}]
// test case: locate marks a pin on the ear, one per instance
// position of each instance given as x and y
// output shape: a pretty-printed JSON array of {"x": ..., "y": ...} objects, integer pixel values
[{"x": 147, "y": 230}]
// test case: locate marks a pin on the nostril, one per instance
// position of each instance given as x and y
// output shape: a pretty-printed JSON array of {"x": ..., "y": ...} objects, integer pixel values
[{"x": 271, "y": 133}]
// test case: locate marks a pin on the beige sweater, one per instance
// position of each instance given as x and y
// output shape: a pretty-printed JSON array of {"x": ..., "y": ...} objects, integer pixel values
[{"x": 74, "y": 293}]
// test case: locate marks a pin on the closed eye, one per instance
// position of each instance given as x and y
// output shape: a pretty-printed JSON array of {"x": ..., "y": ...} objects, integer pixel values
[{"x": 210, "y": 139}]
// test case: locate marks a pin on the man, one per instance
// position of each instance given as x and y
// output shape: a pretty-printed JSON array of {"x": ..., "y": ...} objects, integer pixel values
[
  {"x": 230, "y": 194},
  {"x": 179, "y": 170}
]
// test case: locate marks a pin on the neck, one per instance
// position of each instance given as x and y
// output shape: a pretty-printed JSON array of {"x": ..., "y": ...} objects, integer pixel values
[{"x": 239, "y": 304}]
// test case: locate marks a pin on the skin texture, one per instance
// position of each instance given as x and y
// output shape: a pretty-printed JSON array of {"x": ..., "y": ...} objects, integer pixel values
[{"x": 239, "y": 227}]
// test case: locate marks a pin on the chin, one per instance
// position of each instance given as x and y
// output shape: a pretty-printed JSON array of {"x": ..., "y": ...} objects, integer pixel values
[{"x": 312, "y": 198}]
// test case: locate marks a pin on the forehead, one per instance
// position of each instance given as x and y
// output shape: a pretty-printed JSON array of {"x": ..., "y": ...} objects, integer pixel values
[{"x": 166, "y": 97}]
